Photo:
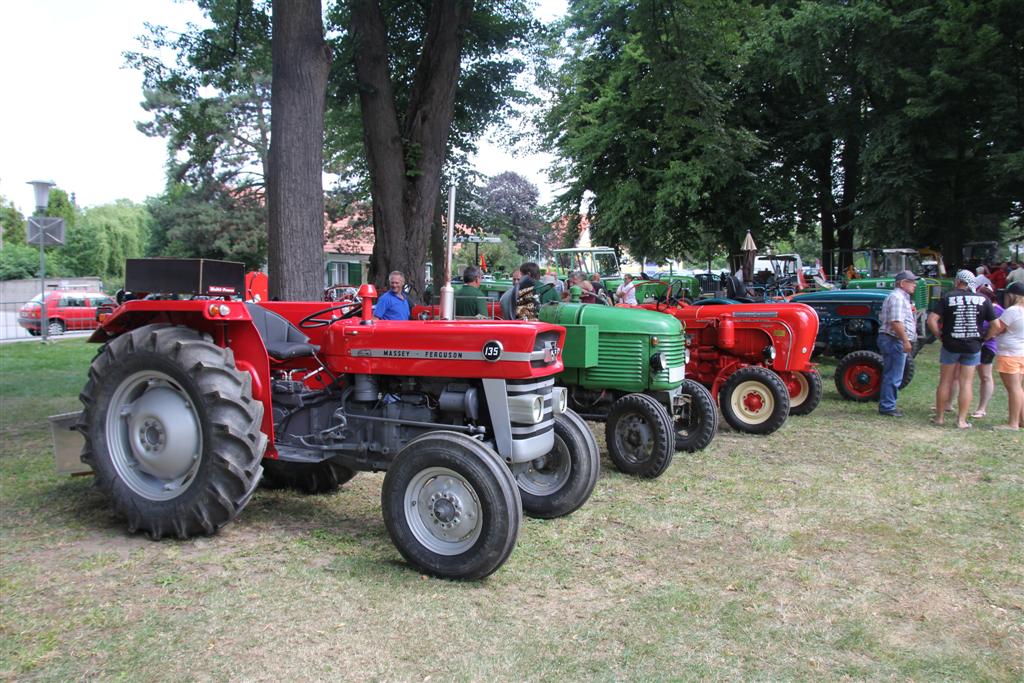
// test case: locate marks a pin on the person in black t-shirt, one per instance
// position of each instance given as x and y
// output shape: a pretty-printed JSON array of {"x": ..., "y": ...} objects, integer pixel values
[{"x": 956, "y": 319}]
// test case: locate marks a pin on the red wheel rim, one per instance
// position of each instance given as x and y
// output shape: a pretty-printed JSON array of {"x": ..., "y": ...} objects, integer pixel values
[{"x": 863, "y": 380}]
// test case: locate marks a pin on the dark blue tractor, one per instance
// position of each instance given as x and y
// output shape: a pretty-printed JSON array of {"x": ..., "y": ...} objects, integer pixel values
[{"x": 848, "y": 322}]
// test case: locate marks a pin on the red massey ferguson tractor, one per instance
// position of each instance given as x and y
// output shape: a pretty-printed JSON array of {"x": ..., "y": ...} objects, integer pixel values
[
  {"x": 754, "y": 358},
  {"x": 188, "y": 403}
]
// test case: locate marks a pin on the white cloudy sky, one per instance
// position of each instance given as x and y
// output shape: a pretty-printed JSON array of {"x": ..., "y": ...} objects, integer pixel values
[{"x": 69, "y": 106}]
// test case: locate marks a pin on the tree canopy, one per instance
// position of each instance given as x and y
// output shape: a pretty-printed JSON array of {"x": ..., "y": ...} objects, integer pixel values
[{"x": 689, "y": 122}]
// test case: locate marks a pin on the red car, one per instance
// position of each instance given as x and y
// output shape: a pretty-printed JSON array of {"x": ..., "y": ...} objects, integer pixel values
[{"x": 66, "y": 310}]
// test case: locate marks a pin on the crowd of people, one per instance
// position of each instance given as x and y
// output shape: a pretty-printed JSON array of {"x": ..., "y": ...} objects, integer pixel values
[{"x": 977, "y": 335}]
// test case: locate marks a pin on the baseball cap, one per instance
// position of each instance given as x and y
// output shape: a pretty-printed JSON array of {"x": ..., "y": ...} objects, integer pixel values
[
  {"x": 1016, "y": 288},
  {"x": 906, "y": 275},
  {"x": 967, "y": 277}
]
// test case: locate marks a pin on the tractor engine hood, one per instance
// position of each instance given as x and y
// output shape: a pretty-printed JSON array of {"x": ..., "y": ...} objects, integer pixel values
[
  {"x": 612, "y": 318},
  {"x": 445, "y": 348}
]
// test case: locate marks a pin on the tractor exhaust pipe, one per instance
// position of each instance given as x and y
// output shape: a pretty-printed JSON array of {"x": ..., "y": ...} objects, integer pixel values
[{"x": 447, "y": 293}]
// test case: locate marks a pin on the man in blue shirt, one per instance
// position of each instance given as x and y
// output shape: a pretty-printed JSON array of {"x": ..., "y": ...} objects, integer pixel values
[{"x": 392, "y": 305}]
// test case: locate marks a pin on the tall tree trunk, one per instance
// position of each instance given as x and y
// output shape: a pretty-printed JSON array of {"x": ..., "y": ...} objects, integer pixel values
[
  {"x": 851, "y": 186},
  {"x": 295, "y": 198},
  {"x": 826, "y": 206},
  {"x": 405, "y": 157}
]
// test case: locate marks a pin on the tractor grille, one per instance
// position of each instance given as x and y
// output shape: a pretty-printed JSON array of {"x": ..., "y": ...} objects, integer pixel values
[
  {"x": 674, "y": 349},
  {"x": 621, "y": 361},
  {"x": 518, "y": 387}
]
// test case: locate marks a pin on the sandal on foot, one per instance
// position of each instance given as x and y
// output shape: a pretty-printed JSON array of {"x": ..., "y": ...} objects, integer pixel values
[
  {"x": 978, "y": 413},
  {"x": 1007, "y": 428}
]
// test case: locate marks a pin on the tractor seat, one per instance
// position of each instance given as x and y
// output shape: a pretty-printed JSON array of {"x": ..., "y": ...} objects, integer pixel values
[
  {"x": 283, "y": 340},
  {"x": 735, "y": 289}
]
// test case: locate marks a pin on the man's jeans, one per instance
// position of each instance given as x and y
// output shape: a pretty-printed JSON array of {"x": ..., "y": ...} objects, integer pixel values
[{"x": 894, "y": 359}]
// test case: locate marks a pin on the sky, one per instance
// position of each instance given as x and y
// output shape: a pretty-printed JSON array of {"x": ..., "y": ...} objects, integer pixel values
[{"x": 70, "y": 105}]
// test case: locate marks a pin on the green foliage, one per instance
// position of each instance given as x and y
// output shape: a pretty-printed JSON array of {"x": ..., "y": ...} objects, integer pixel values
[
  {"x": 12, "y": 223},
  {"x": 19, "y": 261},
  {"x": 211, "y": 223},
  {"x": 213, "y": 103},
  {"x": 642, "y": 118},
  {"x": 104, "y": 237},
  {"x": 59, "y": 206}
]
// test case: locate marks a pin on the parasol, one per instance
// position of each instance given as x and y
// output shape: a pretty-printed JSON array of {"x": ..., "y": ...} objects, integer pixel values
[{"x": 749, "y": 250}]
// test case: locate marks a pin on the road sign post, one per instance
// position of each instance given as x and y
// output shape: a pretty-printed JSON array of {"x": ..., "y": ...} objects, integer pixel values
[{"x": 44, "y": 231}]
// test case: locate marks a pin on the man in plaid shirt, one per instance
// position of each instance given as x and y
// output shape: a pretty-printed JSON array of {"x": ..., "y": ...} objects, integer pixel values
[{"x": 896, "y": 337}]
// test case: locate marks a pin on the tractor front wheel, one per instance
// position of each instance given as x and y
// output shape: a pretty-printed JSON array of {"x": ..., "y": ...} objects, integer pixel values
[
  {"x": 697, "y": 424},
  {"x": 754, "y": 400},
  {"x": 451, "y": 506},
  {"x": 859, "y": 376},
  {"x": 312, "y": 478},
  {"x": 640, "y": 436},
  {"x": 805, "y": 391},
  {"x": 172, "y": 431},
  {"x": 559, "y": 482}
]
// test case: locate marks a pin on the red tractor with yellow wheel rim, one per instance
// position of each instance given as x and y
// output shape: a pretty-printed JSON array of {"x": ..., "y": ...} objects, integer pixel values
[{"x": 754, "y": 358}]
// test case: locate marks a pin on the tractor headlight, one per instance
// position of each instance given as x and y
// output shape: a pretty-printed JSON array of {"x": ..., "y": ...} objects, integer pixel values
[
  {"x": 769, "y": 353},
  {"x": 659, "y": 362},
  {"x": 526, "y": 409},
  {"x": 686, "y": 356},
  {"x": 559, "y": 400}
]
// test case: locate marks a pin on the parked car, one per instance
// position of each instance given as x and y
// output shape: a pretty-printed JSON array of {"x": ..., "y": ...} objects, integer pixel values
[{"x": 66, "y": 310}]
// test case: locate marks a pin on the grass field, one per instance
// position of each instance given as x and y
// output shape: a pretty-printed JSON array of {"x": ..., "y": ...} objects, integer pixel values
[{"x": 846, "y": 545}]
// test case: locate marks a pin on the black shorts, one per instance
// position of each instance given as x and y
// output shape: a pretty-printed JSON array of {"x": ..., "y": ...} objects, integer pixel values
[{"x": 987, "y": 355}]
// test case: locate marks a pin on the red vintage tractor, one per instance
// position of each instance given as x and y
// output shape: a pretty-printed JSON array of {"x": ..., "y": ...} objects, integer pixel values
[
  {"x": 754, "y": 358},
  {"x": 190, "y": 402}
]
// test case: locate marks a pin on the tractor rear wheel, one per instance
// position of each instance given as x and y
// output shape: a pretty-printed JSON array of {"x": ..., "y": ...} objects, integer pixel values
[
  {"x": 697, "y": 424},
  {"x": 908, "y": 372},
  {"x": 558, "y": 483},
  {"x": 805, "y": 391},
  {"x": 640, "y": 436},
  {"x": 859, "y": 376},
  {"x": 312, "y": 478},
  {"x": 451, "y": 506},
  {"x": 172, "y": 431},
  {"x": 754, "y": 400}
]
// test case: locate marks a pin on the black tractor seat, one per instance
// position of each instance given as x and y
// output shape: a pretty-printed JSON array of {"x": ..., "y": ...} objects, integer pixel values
[{"x": 283, "y": 340}]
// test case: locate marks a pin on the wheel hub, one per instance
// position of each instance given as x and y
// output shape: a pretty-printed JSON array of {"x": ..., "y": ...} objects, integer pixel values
[
  {"x": 446, "y": 509},
  {"x": 163, "y": 433},
  {"x": 753, "y": 402}
]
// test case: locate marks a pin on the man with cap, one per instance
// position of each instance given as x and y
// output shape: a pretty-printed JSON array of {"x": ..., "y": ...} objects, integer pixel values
[
  {"x": 956, "y": 319},
  {"x": 896, "y": 336}
]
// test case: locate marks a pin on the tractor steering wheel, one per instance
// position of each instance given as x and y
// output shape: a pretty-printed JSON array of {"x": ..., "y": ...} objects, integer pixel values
[
  {"x": 313, "y": 320},
  {"x": 674, "y": 293}
]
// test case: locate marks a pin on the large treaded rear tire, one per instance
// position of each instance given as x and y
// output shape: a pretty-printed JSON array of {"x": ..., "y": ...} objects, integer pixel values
[
  {"x": 640, "y": 436},
  {"x": 171, "y": 431},
  {"x": 754, "y": 400},
  {"x": 698, "y": 424},
  {"x": 312, "y": 478}
]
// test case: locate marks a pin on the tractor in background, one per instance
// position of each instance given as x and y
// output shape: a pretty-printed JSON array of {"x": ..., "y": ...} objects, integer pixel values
[
  {"x": 626, "y": 367},
  {"x": 849, "y": 320},
  {"x": 190, "y": 402},
  {"x": 754, "y": 358}
]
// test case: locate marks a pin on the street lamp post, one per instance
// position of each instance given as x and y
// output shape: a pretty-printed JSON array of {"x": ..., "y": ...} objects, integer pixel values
[{"x": 42, "y": 193}]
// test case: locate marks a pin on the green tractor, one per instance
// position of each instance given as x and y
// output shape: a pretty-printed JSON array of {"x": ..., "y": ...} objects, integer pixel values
[
  {"x": 604, "y": 262},
  {"x": 625, "y": 367},
  {"x": 881, "y": 266}
]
